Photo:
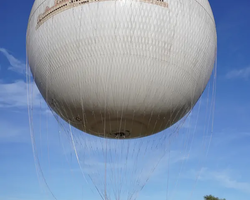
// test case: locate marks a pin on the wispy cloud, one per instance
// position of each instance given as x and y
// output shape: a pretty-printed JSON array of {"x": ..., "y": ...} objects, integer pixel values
[
  {"x": 229, "y": 137},
  {"x": 15, "y": 134},
  {"x": 13, "y": 95},
  {"x": 243, "y": 73},
  {"x": 225, "y": 179},
  {"x": 16, "y": 65}
]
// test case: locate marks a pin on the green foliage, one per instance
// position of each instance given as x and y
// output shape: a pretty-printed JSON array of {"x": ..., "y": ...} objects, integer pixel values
[{"x": 210, "y": 197}]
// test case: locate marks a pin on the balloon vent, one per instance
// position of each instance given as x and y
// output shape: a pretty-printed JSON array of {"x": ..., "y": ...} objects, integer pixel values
[{"x": 121, "y": 134}]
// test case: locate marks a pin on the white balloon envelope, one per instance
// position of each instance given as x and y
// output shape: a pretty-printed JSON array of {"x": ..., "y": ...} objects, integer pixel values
[{"x": 121, "y": 68}]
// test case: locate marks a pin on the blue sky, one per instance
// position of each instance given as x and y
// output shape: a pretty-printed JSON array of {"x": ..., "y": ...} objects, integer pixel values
[{"x": 224, "y": 172}]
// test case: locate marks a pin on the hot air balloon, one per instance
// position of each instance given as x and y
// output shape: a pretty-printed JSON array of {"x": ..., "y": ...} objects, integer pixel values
[{"x": 121, "y": 69}]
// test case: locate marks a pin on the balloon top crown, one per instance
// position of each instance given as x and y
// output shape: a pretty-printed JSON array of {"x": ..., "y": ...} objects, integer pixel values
[{"x": 62, "y": 5}]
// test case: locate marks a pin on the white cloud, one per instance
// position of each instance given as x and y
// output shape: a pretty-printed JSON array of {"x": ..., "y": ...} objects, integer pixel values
[
  {"x": 14, "y": 95},
  {"x": 15, "y": 64},
  {"x": 225, "y": 179},
  {"x": 15, "y": 134},
  {"x": 229, "y": 136},
  {"x": 6, "y": 132},
  {"x": 243, "y": 73}
]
